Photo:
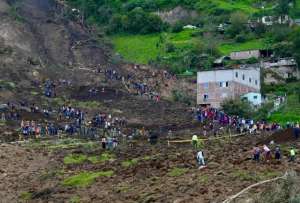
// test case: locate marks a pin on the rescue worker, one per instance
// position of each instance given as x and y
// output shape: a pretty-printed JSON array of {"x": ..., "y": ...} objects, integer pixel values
[
  {"x": 195, "y": 141},
  {"x": 292, "y": 154}
]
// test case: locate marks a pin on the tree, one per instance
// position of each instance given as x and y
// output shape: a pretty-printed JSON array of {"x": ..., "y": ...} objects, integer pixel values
[
  {"x": 237, "y": 107},
  {"x": 283, "y": 7},
  {"x": 238, "y": 22},
  {"x": 296, "y": 45}
]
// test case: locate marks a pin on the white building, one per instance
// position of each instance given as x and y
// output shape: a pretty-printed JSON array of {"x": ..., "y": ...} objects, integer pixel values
[
  {"x": 254, "y": 98},
  {"x": 213, "y": 87}
]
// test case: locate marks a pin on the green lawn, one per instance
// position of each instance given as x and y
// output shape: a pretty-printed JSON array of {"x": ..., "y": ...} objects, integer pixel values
[
  {"x": 227, "y": 48},
  {"x": 231, "y": 5},
  {"x": 143, "y": 48},
  {"x": 289, "y": 113}
]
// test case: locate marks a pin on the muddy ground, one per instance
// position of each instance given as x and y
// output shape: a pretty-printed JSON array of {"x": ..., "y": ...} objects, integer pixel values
[{"x": 36, "y": 171}]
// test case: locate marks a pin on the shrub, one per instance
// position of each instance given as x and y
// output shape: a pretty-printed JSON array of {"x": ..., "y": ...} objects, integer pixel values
[
  {"x": 240, "y": 38},
  {"x": 237, "y": 107},
  {"x": 177, "y": 27},
  {"x": 170, "y": 47}
]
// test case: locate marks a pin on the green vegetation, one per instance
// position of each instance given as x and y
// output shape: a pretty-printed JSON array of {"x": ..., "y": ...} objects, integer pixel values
[
  {"x": 66, "y": 143},
  {"x": 75, "y": 199},
  {"x": 26, "y": 196},
  {"x": 102, "y": 158},
  {"x": 140, "y": 36},
  {"x": 130, "y": 163},
  {"x": 290, "y": 111},
  {"x": 85, "y": 179},
  {"x": 175, "y": 172},
  {"x": 227, "y": 48},
  {"x": 80, "y": 158},
  {"x": 244, "y": 175},
  {"x": 146, "y": 48},
  {"x": 75, "y": 159}
]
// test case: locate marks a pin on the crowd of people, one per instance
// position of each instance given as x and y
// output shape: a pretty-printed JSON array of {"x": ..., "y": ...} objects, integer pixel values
[{"x": 217, "y": 117}]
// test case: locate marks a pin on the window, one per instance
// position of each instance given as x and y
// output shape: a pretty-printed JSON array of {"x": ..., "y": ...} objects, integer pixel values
[
  {"x": 243, "y": 77},
  {"x": 250, "y": 80},
  {"x": 255, "y": 97},
  {"x": 256, "y": 82},
  {"x": 236, "y": 74},
  {"x": 224, "y": 84},
  {"x": 205, "y": 97}
]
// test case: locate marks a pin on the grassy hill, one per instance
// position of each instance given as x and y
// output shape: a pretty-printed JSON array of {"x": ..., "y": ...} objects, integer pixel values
[
  {"x": 144, "y": 48},
  {"x": 290, "y": 112}
]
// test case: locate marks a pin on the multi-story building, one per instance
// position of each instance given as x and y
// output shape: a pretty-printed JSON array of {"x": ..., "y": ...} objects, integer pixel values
[{"x": 213, "y": 87}]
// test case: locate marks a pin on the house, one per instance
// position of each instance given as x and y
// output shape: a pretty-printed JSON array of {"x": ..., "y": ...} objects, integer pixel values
[
  {"x": 213, "y": 87},
  {"x": 278, "y": 70},
  {"x": 254, "y": 98},
  {"x": 242, "y": 55}
]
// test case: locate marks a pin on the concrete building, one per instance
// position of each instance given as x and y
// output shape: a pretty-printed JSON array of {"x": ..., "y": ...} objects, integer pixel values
[
  {"x": 254, "y": 98},
  {"x": 213, "y": 87},
  {"x": 242, "y": 55},
  {"x": 279, "y": 70}
]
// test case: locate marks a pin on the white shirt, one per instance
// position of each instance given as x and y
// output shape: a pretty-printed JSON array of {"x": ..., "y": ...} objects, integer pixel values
[{"x": 200, "y": 155}]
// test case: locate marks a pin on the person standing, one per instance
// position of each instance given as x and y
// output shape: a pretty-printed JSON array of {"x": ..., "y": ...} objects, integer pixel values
[
  {"x": 277, "y": 153},
  {"x": 103, "y": 142},
  {"x": 267, "y": 153},
  {"x": 200, "y": 159},
  {"x": 292, "y": 155},
  {"x": 256, "y": 154},
  {"x": 195, "y": 141}
]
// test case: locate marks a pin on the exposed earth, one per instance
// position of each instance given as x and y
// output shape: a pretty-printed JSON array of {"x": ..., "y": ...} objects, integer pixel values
[
  {"x": 144, "y": 173},
  {"x": 37, "y": 42}
]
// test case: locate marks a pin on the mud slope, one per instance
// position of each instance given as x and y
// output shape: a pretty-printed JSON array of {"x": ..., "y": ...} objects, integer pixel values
[{"x": 37, "y": 41}]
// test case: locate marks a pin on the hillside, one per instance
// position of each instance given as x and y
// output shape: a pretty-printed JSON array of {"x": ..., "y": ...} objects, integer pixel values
[{"x": 81, "y": 123}]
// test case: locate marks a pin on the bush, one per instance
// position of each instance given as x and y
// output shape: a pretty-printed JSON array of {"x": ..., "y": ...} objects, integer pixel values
[
  {"x": 170, "y": 47},
  {"x": 237, "y": 107},
  {"x": 252, "y": 60},
  {"x": 240, "y": 38},
  {"x": 177, "y": 27}
]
